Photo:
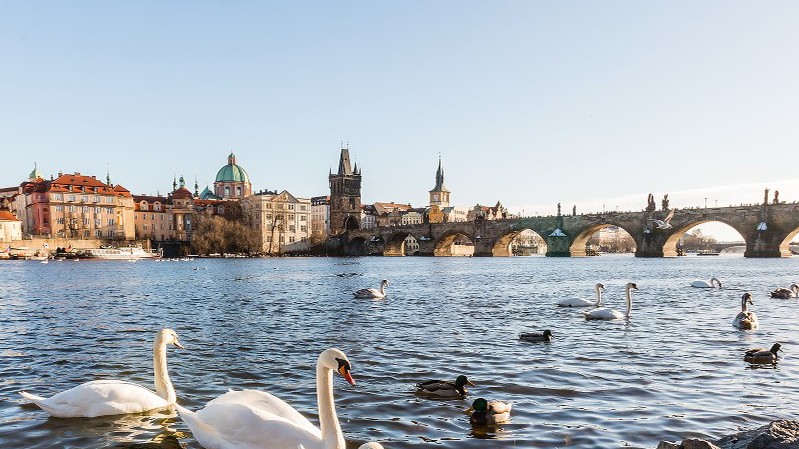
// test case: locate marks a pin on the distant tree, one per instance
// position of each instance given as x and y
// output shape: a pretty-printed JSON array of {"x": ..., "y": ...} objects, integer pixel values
[
  {"x": 215, "y": 234},
  {"x": 696, "y": 240}
]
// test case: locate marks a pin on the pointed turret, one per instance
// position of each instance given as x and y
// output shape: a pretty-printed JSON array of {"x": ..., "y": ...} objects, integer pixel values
[
  {"x": 174, "y": 182},
  {"x": 196, "y": 188},
  {"x": 439, "y": 196},
  {"x": 344, "y": 167}
]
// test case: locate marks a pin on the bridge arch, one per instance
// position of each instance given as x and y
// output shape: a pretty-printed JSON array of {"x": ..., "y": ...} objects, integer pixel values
[
  {"x": 502, "y": 246},
  {"x": 578, "y": 246},
  {"x": 395, "y": 243},
  {"x": 444, "y": 244},
  {"x": 785, "y": 245},
  {"x": 355, "y": 247},
  {"x": 670, "y": 245}
]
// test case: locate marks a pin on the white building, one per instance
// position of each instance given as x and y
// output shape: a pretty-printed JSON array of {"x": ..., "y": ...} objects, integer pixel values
[
  {"x": 282, "y": 220},
  {"x": 10, "y": 227},
  {"x": 368, "y": 217},
  {"x": 411, "y": 217},
  {"x": 320, "y": 217}
]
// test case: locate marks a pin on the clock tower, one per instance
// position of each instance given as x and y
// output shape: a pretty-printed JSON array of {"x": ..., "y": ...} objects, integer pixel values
[{"x": 439, "y": 196}]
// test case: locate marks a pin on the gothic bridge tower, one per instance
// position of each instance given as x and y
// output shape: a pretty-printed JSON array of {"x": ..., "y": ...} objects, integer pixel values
[{"x": 345, "y": 196}]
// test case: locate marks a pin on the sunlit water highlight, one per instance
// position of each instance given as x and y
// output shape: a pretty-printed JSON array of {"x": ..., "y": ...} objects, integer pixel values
[{"x": 674, "y": 370}]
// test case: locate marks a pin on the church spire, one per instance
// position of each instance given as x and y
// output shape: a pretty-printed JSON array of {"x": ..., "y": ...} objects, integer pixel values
[
  {"x": 196, "y": 187},
  {"x": 174, "y": 182},
  {"x": 344, "y": 167},
  {"x": 439, "y": 179}
]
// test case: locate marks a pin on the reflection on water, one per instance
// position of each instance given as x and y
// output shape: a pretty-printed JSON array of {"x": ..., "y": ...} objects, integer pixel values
[{"x": 674, "y": 369}]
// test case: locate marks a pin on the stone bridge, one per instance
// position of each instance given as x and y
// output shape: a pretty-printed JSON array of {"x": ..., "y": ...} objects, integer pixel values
[{"x": 767, "y": 229}]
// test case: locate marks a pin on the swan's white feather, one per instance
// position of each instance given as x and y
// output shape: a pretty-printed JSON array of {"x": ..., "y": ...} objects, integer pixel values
[
  {"x": 575, "y": 302},
  {"x": 603, "y": 314},
  {"x": 368, "y": 293},
  {"x": 243, "y": 426},
  {"x": 268, "y": 403},
  {"x": 99, "y": 398}
]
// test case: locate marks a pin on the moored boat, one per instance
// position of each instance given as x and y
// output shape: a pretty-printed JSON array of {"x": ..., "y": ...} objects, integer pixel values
[{"x": 122, "y": 253}]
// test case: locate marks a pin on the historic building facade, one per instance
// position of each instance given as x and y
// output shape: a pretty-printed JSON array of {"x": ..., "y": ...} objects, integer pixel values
[
  {"x": 345, "y": 196},
  {"x": 75, "y": 206},
  {"x": 282, "y": 220},
  {"x": 320, "y": 217}
]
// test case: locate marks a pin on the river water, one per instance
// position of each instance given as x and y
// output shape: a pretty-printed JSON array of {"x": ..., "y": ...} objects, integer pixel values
[{"x": 675, "y": 370}]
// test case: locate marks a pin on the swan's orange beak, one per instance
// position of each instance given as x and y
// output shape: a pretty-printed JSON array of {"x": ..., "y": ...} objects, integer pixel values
[
  {"x": 178, "y": 345},
  {"x": 345, "y": 373}
]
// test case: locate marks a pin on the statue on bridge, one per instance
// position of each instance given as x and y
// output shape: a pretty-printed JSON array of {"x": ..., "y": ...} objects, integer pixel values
[
  {"x": 765, "y": 197},
  {"x": 665, "y": 203},
  {"x": 558, "y": 209},
  {"x": 574, "y": 210},
  {"x": 776, "y": 197},
  {"x": 650, "y": 203}
]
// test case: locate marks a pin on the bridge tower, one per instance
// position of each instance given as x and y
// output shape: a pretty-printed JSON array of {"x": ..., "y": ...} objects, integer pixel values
[
  {"x": 345, "y": 196},
  {"x": 439, "y": 196}
]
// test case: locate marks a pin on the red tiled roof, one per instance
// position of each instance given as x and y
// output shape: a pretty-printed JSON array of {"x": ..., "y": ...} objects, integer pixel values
[
  {"x": 182, "y": 193},
  {"x": 8, "y": 216}
]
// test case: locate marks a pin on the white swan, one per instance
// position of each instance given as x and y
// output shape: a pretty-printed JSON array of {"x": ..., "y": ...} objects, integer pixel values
[
  {"x": 580, "y": 302},
  {"x": 253, "y": 419},
  {"x": 706, "y": 284},
  {"x": 372, "y": 292},
  {"x": 745, "y": 319},
  {"x": 115, "y": 397},
  {"x": 610, "y": 314}
]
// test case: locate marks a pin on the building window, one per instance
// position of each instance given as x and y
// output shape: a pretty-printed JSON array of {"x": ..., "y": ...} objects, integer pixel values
[
  {"x": 110, "y": 233},
  {"x": 227, "y": 191},
  {"x": 110, "y": 222},
  {"x": 71, "y": 198},
  {"x": 303, "y": 218},
  {"x": 291, "y": 239},
  {"x": 291, "y": 207},
  {"x": 143, "y": 206},
  {"x": 60, "y": 221},
  {"x": 303, "y": 228},
  {"x": 97, "y": 223},
  {"x": 291, "y": 228},
  {"x": 84, "y": 199},
  {"x": 303, "y": 207},
  {"x": 58, "y": 197},
  {"x": 96, "y": 198},
  {"x": 85, "y": 209},
  {"x": 109, "y": 210},
  {"x": 59, "y": 208}
]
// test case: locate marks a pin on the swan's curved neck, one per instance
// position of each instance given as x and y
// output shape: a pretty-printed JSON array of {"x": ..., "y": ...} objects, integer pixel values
[
  {"x": 629, "y": 302},
  {"x": 163, "y": 386},
  {"x": 382, "y": 288},
  {"x": 744, "y": 307},
  {"x": 332, "y": 438},
  {"x": 598, "y": 296}
]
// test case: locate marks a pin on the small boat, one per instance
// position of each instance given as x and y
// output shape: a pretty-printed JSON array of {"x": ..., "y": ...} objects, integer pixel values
[
  {"x": 122, "y": 253},
  {"x": 707, "y": 252}
]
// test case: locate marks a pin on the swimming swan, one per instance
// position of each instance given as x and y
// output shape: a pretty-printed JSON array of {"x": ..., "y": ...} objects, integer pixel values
[
  {"x": 610, "y": 314},
  {"x": 252, "y": 419},
  {"x": 706, "y": 284},
  {"x": 115, "y": 397},
  {"x": 579, "y": 302},
  {"x": 745, "y": 319},
  {"x": 785, "y": 293},
  {"x": 372, "y": 292},
  {"x": 444, "y": 388}
]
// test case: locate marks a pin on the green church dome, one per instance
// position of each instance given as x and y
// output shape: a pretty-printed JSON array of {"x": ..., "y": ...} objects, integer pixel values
[{"x": 232, "y": 172}]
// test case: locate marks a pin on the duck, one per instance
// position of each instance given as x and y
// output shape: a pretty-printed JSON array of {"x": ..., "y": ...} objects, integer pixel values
[
  {"x": 485, "y": 413},
  {"x": 580, "y": 302},
  {"x": 445, "y": 388},
  {"x": 610, "y": 314},
  {"x": 254, "y": 419},
  {"x": 745, "y": 319},
  {"x": 536, "y": 336},
  {"x": 762, "y": 356},
  {"x": 372, "y": 292},
  {"x": 785, "y": 293},
  {"x": 115, "y": 397},
  {"x": 706, "y": 284}
]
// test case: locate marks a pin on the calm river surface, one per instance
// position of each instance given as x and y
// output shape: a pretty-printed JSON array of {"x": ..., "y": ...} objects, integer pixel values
[{"x": 674, "y": 370}]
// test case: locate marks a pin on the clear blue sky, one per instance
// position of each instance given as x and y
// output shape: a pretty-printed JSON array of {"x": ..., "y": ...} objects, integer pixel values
[{"x": 528, "y": 102}]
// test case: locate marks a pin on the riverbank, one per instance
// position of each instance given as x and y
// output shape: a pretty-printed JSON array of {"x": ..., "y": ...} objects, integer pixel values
[{"x": 775, "y": 435}]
